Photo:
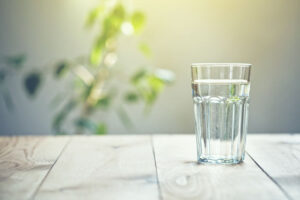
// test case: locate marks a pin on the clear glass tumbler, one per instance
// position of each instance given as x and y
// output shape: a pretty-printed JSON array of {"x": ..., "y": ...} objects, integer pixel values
[{"x": 221, "y": 102}]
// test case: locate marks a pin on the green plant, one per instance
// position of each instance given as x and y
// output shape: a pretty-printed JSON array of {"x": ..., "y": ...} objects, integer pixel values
[{"x": 95, "y": 77}]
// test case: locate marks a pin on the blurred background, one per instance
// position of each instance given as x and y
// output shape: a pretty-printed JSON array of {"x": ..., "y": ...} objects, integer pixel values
[{"x": 37, "y": 34}]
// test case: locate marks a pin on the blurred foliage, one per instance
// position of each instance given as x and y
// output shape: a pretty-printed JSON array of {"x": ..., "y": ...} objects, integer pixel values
[
  {"x": 145, "y": 49},
  {"x": 91, "y": 126},
  {"x": 92, "y": 75},
  {"x": 15, "y": 61},
  {"x": 149, "y": 84},
  {"x": 61, "y": 69},
  {"x": 32, "y": 82},
  {"x": 138, "y": 21},
  {"x": 62, "y": 115}
]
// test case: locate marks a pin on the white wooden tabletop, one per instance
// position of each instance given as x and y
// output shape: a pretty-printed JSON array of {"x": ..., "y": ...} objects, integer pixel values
[{"x": 138, "y": 167}]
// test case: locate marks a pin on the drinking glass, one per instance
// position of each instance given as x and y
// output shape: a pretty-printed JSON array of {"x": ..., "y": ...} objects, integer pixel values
[{"x": 221, "y": 103}]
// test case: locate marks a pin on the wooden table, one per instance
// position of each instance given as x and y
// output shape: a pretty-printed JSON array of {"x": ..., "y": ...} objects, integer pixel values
[{"x": 158, "y": 167}]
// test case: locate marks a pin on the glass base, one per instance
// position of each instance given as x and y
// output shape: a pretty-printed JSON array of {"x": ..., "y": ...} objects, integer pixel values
[{"x": 219, "y": 161}]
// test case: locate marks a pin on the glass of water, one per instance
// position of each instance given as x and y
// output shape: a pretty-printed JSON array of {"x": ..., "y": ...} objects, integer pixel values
[{"x": 221, "y": 102}]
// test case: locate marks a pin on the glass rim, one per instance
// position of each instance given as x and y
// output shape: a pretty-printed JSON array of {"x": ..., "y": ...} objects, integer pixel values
[{"x": 221, "y": 65}]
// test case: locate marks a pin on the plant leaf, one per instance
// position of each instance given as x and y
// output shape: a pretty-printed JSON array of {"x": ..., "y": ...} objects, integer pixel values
[
  {"x": 117, "y": 17},
  {"x": 86, "y": 124},
  {"x": 131, "y": 97},
  {"x": 101, "y": 129},
  {"x": 138, "y": 76},
  {"x": 148, "y": 85},
  {"x": 61, "y": 69},
  {"x": 91, "y": 126},
  {"x": 155, "y": 83},
  {"x": 16, "y": 61},
  {"x": 112, "y": 23},
  {"x": 155, "y": 87},
  {"x": 94, "y": 15},
  {"x": 96, "y": 54},
  {"x": 111, "y": 26},
  {"x": 138, "y": 20},
  {"x": 104, "y": 101},
  {"x": 145, "y": 49},
  {"x": 87, "y": 91},
  {"x": 32, "y": 82}
]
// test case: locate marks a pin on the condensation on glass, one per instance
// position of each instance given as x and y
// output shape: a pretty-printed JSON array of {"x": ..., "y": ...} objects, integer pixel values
[{"x": 221, "y": 103}]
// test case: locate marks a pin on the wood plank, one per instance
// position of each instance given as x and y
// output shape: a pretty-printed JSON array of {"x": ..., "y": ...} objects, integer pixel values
[
  {"x": 181, "y": 178},
  {"x": 279, "y": 156},
  {"x": 24, "y": 162},
  {"x": 103, "y": 167}
]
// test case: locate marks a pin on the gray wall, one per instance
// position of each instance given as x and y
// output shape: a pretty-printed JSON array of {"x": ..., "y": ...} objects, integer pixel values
[{"x": 264, "y": 33}]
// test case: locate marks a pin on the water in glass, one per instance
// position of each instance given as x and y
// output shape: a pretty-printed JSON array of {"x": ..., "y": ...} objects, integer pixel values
[{"x": 221, "y": 112}]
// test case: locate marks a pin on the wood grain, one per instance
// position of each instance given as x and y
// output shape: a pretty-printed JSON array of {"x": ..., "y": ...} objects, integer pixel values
[
  {"x": 24, "y": 162},
  {"x": 279, "y": 157},
  {"x": 109, "y": 167},
  {"x": 181, "y": 178}
]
